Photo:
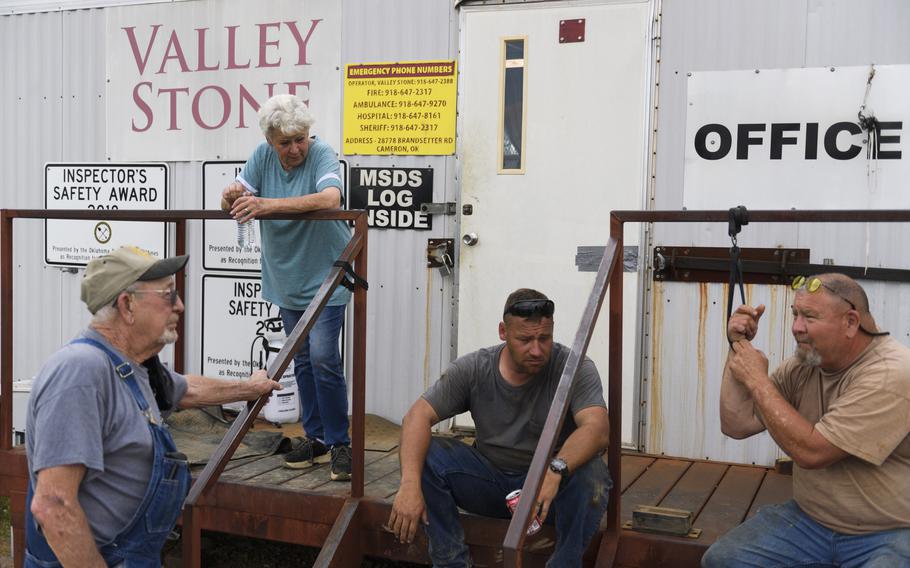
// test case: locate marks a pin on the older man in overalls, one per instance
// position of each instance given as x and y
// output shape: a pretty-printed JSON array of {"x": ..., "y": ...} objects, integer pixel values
[{"x": 106, "y": 481}]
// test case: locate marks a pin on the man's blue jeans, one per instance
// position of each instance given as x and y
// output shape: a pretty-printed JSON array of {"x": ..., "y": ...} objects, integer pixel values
[
  {"x": 783, "y": 535},
  {"x": 320, "y": 376},
  {"x": 457, "y": 475}
]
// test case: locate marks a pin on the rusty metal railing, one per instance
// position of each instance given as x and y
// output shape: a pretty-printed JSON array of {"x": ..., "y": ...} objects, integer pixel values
[{"x": 609, "y": 276}]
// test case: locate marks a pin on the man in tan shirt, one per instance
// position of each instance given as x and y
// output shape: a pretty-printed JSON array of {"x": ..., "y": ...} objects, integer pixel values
[{"x": 840, "y": 408}]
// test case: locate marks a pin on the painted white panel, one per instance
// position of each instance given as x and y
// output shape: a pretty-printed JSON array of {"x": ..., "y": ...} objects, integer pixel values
[
  {"x": 699, "y": 36},
  {"x": 790, "y": 138},
  {"x": 583, "y": 145},
  {"x": 689, "y": 348},
  {"x": 185, "y": 79}
]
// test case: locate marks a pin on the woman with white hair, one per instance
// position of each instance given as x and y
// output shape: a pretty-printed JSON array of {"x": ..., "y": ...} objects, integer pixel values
[{"x": 292, "y": 172}]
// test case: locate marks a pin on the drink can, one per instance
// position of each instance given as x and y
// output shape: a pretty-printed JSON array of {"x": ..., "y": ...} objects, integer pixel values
[{"x": 512, "y": 503}]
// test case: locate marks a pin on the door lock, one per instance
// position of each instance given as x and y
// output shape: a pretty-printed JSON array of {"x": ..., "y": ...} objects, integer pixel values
[
  {"x": 470, "y": 239},
  {"x": 440, "y": 253}
]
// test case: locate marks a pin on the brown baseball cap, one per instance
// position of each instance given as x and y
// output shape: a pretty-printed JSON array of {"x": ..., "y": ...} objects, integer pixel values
[{"x": 106, "y": 276}]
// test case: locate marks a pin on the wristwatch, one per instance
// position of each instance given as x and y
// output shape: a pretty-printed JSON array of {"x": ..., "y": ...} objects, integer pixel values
[{"x": 559, "y": 465}]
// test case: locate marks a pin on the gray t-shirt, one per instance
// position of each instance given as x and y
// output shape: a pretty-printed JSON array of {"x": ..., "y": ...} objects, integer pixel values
[
  {"x": 510, "y": 419},
  {"x": 81, "y": 412}
]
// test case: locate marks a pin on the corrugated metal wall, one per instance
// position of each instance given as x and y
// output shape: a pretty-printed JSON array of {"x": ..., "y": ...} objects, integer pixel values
[
  {"x": 410, "y": 307},
  {"x": 53, "y": 110},
  {"x": 711, "y": 35}
]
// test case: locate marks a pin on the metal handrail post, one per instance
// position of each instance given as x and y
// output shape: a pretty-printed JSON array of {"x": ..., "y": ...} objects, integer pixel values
[
  {"x": 515, "y": 536},
  {"x": 358, "y": 411},
  {"x": 6, "y": 328}
]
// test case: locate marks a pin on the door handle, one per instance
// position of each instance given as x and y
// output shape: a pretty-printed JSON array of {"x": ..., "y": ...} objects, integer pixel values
[{"x": 470, "y": 239}]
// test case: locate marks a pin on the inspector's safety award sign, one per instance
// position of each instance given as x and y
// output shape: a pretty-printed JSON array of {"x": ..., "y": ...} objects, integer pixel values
[{"x": 103, "y": 187}]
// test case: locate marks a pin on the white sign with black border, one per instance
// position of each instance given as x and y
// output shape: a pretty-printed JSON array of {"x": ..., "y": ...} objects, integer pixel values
[
  {"x": 233, "y": 315},
  {"x": 126, "y": 186},
  {"x": 219, "y": 238}
]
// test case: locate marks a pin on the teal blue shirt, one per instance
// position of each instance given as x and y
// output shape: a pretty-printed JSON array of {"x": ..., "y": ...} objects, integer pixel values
[{"x": 297, "y": 255}]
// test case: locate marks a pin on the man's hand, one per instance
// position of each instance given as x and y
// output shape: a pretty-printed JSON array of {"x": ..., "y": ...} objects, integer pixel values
[
  {"x": 747, "y": 364},
  {"x": 743, "y": 323},
  {"x": 408, "y": 510},
  {"x": 259, "y": 384},
  {"x": 548, "y": 490}
]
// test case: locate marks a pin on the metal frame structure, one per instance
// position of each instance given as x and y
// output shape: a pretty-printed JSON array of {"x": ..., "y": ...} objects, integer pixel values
[
  {"x": 608, "y": 275},
  {"x": 343, "y": 545}
]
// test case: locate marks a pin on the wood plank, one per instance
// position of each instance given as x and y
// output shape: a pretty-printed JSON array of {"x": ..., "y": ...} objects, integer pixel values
[
  {"x": 653, "y": 485},
  {"x": 776, "y": 488},
  {"x": 632, "y": 467},
  {"x": 695, "y": 487},
  {"x": 374, "y": 470},
  {"x": 277, "y": 528},
  {"x": 313, "y": 479},
  {"x": 275, "y": 502},
  {"x": 233, "y": 464},
  {"x": 281, "y": 475},
  {"x": 254, "y": 468},
  {"x": 384, "y": 488},
  {"x": 730, "y": 502},
  {"x": 317, "y": 478},
  {"x": 658, "y": 551}
]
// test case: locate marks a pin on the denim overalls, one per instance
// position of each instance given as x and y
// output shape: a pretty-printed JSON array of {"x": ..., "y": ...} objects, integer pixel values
[{"x": 139, "y": 544}]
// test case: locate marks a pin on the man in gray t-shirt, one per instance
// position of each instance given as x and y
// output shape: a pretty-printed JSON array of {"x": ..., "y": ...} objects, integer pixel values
[
  {"x": 508, "y": 389},
  {"x": 106, "y": 483}
]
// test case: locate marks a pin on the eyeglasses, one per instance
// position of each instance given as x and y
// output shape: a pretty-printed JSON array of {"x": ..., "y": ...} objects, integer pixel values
[
  {"x": 813, "y": 284},
  {"x": 169, "y": 294},
  {"x": 528, "y": 308}
]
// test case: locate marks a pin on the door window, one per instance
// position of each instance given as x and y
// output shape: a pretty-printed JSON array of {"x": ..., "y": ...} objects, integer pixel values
[{"x": 514, "y": 86}]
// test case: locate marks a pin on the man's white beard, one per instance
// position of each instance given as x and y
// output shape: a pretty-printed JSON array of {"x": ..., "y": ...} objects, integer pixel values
[
  {"x": 168, "y": 337},
  {"x": 808, "y": 356}
]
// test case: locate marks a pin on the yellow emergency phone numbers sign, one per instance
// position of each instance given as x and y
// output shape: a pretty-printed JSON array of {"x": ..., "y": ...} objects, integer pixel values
[{"x": 403, "y": 108}]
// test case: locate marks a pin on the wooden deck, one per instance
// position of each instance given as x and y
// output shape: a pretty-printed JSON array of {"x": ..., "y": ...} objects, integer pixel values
[
  {"x": 719, "y": 495},
  {"x": 258, "y": 497}
]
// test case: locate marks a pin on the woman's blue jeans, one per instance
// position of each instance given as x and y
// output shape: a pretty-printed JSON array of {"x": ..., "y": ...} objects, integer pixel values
[
  {"x": 457, "y": 475},
  {"x": 319, "y": 371},
  {"x": 783, "y": 535}
]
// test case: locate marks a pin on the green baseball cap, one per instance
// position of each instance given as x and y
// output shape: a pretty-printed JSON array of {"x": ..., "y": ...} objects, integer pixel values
[{"x": 106, "y": 276}]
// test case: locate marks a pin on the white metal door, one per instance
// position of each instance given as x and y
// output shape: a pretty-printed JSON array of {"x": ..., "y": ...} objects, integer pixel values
[{"x": 583, "y": 146}]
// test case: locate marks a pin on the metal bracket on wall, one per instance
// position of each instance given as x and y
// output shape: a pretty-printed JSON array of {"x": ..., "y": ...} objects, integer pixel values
[
  {"x": 441, "y": 254},
  {"x": 760, "y": 266},
  {"x": 438, "y": 208}
]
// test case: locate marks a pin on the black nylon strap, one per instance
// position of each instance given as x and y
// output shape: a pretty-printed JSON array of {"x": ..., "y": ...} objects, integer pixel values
[
  {"x": 738, "y": 217},
  {"x": 355, "y": 281}
]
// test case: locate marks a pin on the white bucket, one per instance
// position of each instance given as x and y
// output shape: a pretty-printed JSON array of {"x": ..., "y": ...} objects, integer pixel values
[{"x": 282, "y": 407}]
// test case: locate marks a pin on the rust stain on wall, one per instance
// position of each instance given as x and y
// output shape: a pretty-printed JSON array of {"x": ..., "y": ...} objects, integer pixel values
[
  {"x": 655, "y": 422},
  {"x": 702, "y": 377}
]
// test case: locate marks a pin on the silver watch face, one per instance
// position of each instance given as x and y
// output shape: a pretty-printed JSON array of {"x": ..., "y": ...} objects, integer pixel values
[{"x": 558, "y": 465}]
